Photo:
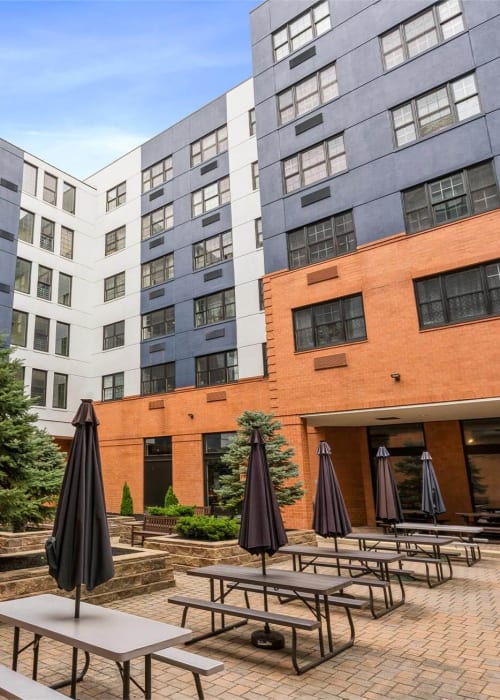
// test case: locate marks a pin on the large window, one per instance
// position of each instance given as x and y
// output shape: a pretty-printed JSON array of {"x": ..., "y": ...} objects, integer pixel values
[
  {"x": 47, "y": 230},
  {"x": 330, "y": 323},
  {"x": 23, "y": 276},
  {"x": 116, "y": 196},
  {"x": 458, "y": 296},
  {"x": 113, "y": 386},
  {"x": 214, "y": 308},
  {"x": 114, "y": 286},
  {"x": 450, "y": 103},
  {"x": 50, "y": 188},
  {"x": 482, "y": 450},
  {"x": 26, "y": 226},
  {"x": 314, "y": 164},
  {"x": 301, "y": 30},
  {"x": 60, "y": 391},
  {"x": 158, "y": 379},
  {"x": 308, "y": 94},
  {"x": 157, "y": 174},
  {"x": 69, "y": 198},
  {"x": 44, "y": 283},
  {"x": 214, "y": 447},
  {"x": 64, "y": 291},
  {"x": 158, "y": 323},
  {"x": 421, "y": 32},
  {"x": 42, "y": 330},
  {"x": 213, "y": 250},
  {"x": 464, "y": 193},
  {"x": 39, "y": 386},
  {"x": 19, "y": 328},
  {"x": 321, "y": 240},
  {"x": 157, "y": 271},
  {"x": 62, "y": 339},
  {"x": 210, "y": 197},
  {"x": 219, "y": 368},
  {"x": 30, "y": 175},
  {"x": 157, "y": 221},
  {"x": 209, "y": 146},
  {"x": 115, "y": 240},
  {"x": 67, "y": 238},
  {"x": 113, "y": 335}
]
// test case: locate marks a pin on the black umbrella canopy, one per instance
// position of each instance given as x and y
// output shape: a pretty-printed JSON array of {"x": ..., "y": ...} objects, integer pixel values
[
  {"x": 79, "y": 550},
  {"x": 261, "y": 530},
  {"x": 330, "y": 518},
  {"x": 432, "y": 501},
  {"x": 388, "y": 505}
]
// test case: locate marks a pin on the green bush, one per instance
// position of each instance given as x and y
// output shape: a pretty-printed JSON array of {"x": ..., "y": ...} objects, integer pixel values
[
  {"x": 171, "y": 511},
  {"x": 127, "y": 504},
  {"x": 207, "y": 528},
  {"x": 170, "y": 498}
]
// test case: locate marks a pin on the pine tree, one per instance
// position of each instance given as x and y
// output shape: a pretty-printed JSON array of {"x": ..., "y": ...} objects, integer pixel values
[
  {"x": 170, "y": 498},
  {"x": 279, "y": 454},
  {"x": 127, "y": 504}
]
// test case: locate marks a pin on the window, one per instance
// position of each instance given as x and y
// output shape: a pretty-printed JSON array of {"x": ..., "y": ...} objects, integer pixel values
[
  {"x": 158, "y": 323},
  {"x": 64, "y": 292},
  {"x": 450, "y": 103},
  {"x": 214, "y": 308},
  {"x": 314, "y": 164},
  {"x": 113, "y": 386},
  {"x": 157, "y": 174},
  {"x": 19, "y": 328},
  {"x": 259, "y": 241},
  {"x": 60, "y": 391},
  {"x": 42, "y": 329},
  {"x": 308, "y": 94},
  {"x": 157, "y": 271},
  {"x": 464, "y": 193},
  {"x": 158, "y": 379},
  {"x": 67, "y": 238},
  {"x": 114, "y": 286},
  {"x": 62, "y": 339},
  {"x": 458, "y": 296},
  {"x": 47, "y": 230},
  {"x": 214, "y": 447},
  {"x": 321, "y": 240},
  {"x": 330, "y": 323},
  {"x": 39, "y": 386},
  {"x": 49, "y": 188},
  {"x": 30, "y": 176},
  {"x": 69, "y": 198},
  {"x": 251, "y": 121},
  {"x": 481, "y": 439},
  {"x": 44, "y": 284},
  {"x": 157, "y": 221},
  {"x": 213, "y": 250},
  {"x": 23, "y": 276},
  {"x": 113, "y": 335},
  {"x": 301, "y": 30},
  {"x": 421, "y": 32},
  {"x": 261, "y": 293},
  {"x": 265, "y": 367},
  {"x": 26, "y": 226},
  {"x": 219, "y": 368},
  {"x": 255, "y": 176},
  {"x": 115, "y": 240},
  {"x": 210, "y": 197},
  {"x": 209, "y": 146},
  {"x": 116, "y": 196}
]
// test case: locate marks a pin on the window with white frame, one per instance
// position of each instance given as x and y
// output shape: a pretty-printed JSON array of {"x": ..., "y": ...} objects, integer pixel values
[
  {"x": 209, "y": 146},
  {"x": 157, "y": 174},
  {"x": 64, "y": 291},
  {"x": 19, "y": 328},
  {"x": 157, "y": 271},
  {"x": 113, "y": 335},
  {"x": 26, "y": 226},
  {"x": 314, "y": 164},
  {"x": 114, "y": 286},
  {"x": 60, "y": 390},
  {"x": 49, "y": 188},
  {"x": 156, "y": 324},
  {"x": 210, "y": 197},
  {"x": 301, "y": 30},
  {"x": 42, "y": 331},
  {"x": 22, "y": 281},
  {"x": 218, "y": 368},
  {"x": 113, "y": 386},
  {"x": 114, "y": 240},
  {"x": 30, "y": 177},
  {"x": 116, "y": 196},
  {"x": 62, "y": 338},
  {"x": 214, "y": 308},
  {"x": 47, "y": 232},
  {"x": 44, "y": 283},
  {"x": 305, "y": 96},
  {"x": 448, "y": 104},
  {"x": 332, "y": 322},
  {"x": 421, "y": 32},
  {"x": 69, "y": 198},
  {"x": 66, "y": 245},
  {"x": 259, "y": 241},
  {"x": 157, "y": 221},
  {"x": 39, "y": 386},
  {"x": 158, "y": 379},
  {"x": 213, "y": 250},
  {"x": 255, "y": 175}
]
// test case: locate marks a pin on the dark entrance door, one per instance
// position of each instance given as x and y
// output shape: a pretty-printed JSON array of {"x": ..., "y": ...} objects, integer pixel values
[{"x": 157, "y": 469}]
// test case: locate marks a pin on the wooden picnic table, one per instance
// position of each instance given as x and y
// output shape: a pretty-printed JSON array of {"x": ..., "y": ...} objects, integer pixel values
[{"x": 466, "y": 536}]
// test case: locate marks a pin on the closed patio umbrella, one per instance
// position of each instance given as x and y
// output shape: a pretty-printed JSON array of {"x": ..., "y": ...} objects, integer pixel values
[
  {"x": 388, "y": 505},
  {"x": 330, "y": 518},
  {"x": 432, "y": 501}
]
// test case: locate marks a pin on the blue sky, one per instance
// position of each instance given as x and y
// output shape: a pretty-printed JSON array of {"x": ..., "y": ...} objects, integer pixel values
[{"x": 85, "y": 81}]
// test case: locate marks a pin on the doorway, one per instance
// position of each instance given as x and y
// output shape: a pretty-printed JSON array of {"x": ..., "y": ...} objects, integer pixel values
[{"x": 157, "y": 469}]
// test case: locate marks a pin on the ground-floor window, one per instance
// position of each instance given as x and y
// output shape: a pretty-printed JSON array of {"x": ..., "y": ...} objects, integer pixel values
[
  {"x": 482, "y": 451},
  {"x": 214, "y": 446},
  {"x": 157, "y": 469}
]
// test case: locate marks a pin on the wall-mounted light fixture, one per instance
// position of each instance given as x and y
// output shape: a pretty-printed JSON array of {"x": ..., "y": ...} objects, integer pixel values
[
  {"x": 396, "y": 376},
  {"x": 190, "y": 415}
]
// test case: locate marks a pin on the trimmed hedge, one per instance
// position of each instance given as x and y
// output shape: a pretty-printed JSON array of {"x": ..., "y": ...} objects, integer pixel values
[
  {"x": 174, "y": 511},
  {"x": 207, "y": 528}
]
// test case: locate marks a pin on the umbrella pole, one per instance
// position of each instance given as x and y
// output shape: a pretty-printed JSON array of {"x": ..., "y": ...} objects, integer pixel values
[{"x": 77, "y": 601}]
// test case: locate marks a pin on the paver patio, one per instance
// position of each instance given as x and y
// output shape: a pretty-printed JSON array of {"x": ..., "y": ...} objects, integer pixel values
[{"x": 443, "y": 643}]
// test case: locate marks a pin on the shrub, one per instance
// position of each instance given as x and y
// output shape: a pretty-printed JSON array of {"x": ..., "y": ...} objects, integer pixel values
[
  {"x": 170, "y": 498},
  {"x": 208, "y": 528},
  {"x": 171, "y": 511},
  {"x": 127, "y": 504}
]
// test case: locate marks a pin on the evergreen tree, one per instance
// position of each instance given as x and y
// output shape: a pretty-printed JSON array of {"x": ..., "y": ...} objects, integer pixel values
[
  {"x": 170, "y": 498},
  {"x": 127, "y": 504},
  {"x": 279, "y": 459}
]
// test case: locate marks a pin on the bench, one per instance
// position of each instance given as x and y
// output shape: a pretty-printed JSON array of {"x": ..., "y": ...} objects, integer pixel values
[
  {"x": 18, "y": 687},
  {"x": 198, "y": 665},
  {"x": 427, "y": 561},
  {"x": 152, "y": 526}
]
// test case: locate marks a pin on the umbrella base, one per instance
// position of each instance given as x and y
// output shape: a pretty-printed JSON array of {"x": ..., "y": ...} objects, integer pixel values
[{"x": 268, "y": 639}]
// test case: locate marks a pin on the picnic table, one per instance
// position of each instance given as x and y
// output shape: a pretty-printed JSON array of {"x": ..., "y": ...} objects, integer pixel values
[
  {"x": 488, "y": 520},
  {"x": 315, "y": 590},
  {"x": 466, "y": 536},
  {"x": 369, "y": 569}
]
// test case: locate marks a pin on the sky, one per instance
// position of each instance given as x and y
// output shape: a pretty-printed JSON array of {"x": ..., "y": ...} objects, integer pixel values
[{"x": 85, "y": 81}]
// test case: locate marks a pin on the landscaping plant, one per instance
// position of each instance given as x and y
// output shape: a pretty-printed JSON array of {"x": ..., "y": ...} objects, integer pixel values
[
  {"x": 127, "y": 504},
  {"x": 208, "y": 528}
]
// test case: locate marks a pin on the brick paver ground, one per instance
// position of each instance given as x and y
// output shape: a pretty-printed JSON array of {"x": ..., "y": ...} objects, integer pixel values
[{"x": 444, "y": 643}]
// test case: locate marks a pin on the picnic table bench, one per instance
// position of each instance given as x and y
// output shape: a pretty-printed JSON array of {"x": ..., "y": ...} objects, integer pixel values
[
  {"x": 466, "y": 538},
  {"x": 487, "y": 520},
  {"x": 152, "y": 526},
  {"x": 15, "y": 686}
]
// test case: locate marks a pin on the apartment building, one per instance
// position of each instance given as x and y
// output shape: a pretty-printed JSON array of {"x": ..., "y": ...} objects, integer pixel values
[{"x": 321, "y": 242}]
